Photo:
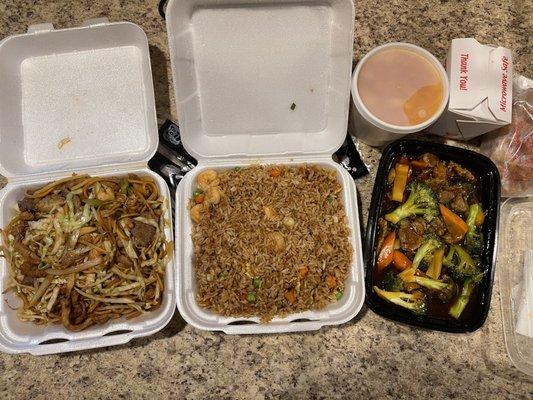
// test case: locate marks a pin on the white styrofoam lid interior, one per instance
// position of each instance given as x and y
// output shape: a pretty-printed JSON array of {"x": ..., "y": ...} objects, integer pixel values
[
  {"x": 75, "y": 98},
  {"x": 239, "y": 66}
]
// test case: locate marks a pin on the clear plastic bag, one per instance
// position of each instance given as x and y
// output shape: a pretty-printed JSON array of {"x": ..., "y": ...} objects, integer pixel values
[{"x": 511, "y": 147}]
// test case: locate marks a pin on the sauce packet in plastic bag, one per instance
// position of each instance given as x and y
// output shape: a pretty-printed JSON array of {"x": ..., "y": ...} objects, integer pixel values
[{"x": 511, "y": 147}]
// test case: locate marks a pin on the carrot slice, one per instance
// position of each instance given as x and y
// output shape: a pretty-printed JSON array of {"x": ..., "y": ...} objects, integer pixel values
[
  {"x": 303, "y": 271},
  {"x": 331, "y": 281},
  {"x": 385, "y": 253},
  {"x": 435, "y": 268},
  {"x": 400, "y": 181},
  {"x": 456, "y": 226},
  {"x": 290, "y": 296},
  {"x": 400, "y": 260},
  {"x": 274, "y": 172},
  {"x": 199, "y": 199}
]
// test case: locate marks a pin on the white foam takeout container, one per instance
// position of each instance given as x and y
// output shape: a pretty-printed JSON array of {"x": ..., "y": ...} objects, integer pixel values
[
  {"x": 238, "y": 66},
  {"x": 92, "y": 84}
]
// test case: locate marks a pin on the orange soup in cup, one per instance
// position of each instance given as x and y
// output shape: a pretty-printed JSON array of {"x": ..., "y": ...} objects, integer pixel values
[{"x": 400, "y": 87}]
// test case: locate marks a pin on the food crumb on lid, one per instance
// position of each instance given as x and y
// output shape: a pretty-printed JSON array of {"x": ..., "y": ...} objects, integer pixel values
[{"x": 63, "y": 142}]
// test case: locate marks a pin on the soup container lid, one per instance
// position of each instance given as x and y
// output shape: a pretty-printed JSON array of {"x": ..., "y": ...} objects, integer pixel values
[
  {"x": 261, "y": 79},
  {"x": 515, "y": 268}
]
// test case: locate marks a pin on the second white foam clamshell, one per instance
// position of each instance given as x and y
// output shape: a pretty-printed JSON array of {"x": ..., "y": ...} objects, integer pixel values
[{"x": 262, "y": 82}]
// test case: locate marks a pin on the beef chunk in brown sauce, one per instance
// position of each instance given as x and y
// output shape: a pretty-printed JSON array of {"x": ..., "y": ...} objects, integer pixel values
[
  {"x": 446, "y": 195},
  {"x": 419, "y": 225},
  {"x": 459, "y": 204},
  {"x": 410, "y": 240},
  {"x": 462, "y": 172},
  {"x": 439, "y": 227}
]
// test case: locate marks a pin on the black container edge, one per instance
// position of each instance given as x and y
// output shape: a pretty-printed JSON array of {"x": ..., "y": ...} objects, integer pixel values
[{"x": 395, "y": 313}]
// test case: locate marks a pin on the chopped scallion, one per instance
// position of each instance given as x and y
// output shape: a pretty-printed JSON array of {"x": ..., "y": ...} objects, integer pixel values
[{"x": 223, "y": 275}]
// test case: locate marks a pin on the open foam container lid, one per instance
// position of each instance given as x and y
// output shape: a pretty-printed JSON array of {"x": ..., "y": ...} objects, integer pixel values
[
  {"x": 255, "y": 78},
  {"x": 76, "y": 98}
]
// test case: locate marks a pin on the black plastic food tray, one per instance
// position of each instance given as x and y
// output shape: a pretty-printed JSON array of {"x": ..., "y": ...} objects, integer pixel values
[{"x": 489, "y": 177}]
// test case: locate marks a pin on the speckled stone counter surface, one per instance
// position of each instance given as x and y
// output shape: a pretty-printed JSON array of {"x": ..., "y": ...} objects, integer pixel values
[{"x": 369, "y": 357}]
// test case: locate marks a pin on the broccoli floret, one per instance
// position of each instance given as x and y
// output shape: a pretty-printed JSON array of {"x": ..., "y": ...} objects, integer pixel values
[
  {"x": 392, "y": 282},
  {"x": 421, "y": 201},
  {"x": 447, "y": 288},
  {"x": 425, "y": 252},
  {"x": 458, "y": 307},
  {"x": 474, "y": 238},
  {"x": 414, "y": 302},
  {"x": 461, "y": 265}
]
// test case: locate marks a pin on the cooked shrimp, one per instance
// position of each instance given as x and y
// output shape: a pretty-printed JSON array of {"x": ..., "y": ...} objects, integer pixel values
[
  {"x": 270, "y": 213},
  {"x": 212, "y": 195},
  {"x": 197, "y": 212},
  {"x": 207, "y": 179},
  {"x": 288, "y": 222},
  {"x": 277, "y": 241}
]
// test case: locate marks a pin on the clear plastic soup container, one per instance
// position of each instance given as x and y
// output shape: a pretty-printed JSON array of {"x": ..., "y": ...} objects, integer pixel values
[
  {"x": 92, "y": 85},
  {"x": 515, "y": 268},
  {"x": 262, "y": 82}
]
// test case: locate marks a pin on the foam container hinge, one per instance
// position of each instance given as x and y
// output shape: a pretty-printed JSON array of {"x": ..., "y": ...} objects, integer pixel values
[
  {"x": 262, "y": 82},
  {"x": 93, "y": 85}
]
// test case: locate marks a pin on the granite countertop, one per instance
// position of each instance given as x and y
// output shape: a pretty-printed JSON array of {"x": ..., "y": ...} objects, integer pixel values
[{"x": 367, "y": 357}]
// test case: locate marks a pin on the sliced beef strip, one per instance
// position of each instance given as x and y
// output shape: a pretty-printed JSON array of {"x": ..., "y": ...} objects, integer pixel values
[
  {"x": 26, "y": 253},
  {"x": 409, "y": 239},
  {"x": 27, "y": 216},
  {"x": 28, "y": 280},
  {"x": 47, "y": 203},
  {"x": 27, "y": 204},
  {"x": 71, "y": 257},
  {"x": 143, "y": 234},
  {"x": 19, "y": 230},
  {"x": 31, "y": 270}
]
